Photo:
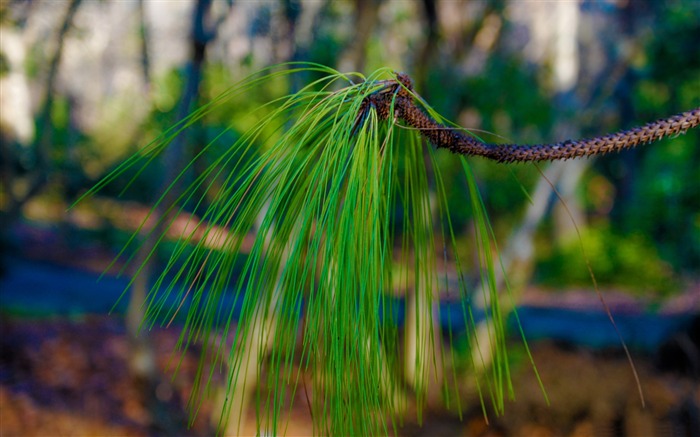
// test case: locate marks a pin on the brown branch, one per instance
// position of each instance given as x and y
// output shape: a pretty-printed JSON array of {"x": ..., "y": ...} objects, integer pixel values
[{"x": 401, "y": 94}]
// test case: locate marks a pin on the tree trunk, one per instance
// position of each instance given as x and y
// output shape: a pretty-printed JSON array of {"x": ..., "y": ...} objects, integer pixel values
[
  {"x": 44, "y": 137},
  {"x": 366, "y": 13},
  {"x": 142, "y": 359}
]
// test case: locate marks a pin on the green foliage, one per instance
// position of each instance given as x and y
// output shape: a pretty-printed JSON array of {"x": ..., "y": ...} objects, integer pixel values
[
  {"x": 669, "y": 206},
  {"x": 664, "y": 203},
  {"x": 626, "y": 261},
  {"x": 318, "y": 180}
]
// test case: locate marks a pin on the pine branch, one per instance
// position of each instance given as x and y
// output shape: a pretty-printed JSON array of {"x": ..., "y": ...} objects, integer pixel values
[{"x": 400, "y": 94}]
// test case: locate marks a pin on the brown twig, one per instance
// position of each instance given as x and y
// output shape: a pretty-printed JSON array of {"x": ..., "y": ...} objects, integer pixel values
[{"x": 400, "y": 92}]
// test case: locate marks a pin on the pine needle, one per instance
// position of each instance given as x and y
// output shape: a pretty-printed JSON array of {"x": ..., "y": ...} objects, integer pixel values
[{"x": 322, "y": 192}]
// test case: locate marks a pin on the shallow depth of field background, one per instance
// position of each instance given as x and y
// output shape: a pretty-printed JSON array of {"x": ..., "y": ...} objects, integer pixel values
[{"x": 85, "y": 84}]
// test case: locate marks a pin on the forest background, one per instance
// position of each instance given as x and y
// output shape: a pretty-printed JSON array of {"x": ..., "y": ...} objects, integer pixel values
[{"x": 85, "y": 84}]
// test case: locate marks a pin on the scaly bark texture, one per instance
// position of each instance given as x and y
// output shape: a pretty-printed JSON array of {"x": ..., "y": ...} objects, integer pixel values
[{"x": 401, "y": 94}]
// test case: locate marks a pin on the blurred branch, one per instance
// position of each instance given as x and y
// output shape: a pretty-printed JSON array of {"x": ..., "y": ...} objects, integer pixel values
[
  {"x": 465, "y": 43},
  {"x": 145, "y": 55}
]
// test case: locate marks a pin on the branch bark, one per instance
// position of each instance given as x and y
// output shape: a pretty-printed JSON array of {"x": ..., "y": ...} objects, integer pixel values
[{"x": 399, "y": 96}]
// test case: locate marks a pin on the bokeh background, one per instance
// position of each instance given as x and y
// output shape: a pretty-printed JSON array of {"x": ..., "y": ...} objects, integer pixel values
[{"x": 84, "y": 84}]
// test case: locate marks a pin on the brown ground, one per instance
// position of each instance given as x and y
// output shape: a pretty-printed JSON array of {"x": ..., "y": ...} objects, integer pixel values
[
  {"x": 61, "y": 377},
  {"x": 70, "y": 378}
]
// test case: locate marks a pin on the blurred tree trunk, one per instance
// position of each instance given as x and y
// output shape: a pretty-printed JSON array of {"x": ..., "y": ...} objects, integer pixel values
[
  {"x": 518, "y": 253},
  {"x": 582, "y": 82},
  {"x": 423, "y": 349},
  {"x": 568, "y": 212},
  {"x": 627, "y": 199},
  {"x": 142, "y": 359},
  {"x": 426, "y": 56},
  {"x": 39, "y": 174},
  {"x": 423, "y": 354},
  {"x": 417, "y": 362},
  {"x": 235, "y": 400},
  {"x": 616, "y": 40},
  {"x": 355, "y": 56}
]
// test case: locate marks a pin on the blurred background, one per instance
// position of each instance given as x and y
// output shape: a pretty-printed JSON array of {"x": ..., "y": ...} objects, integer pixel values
[{"x": 84, "y": 84}]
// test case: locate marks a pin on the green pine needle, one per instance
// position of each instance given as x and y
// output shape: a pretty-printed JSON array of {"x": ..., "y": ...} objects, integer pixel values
[{"x": 319, "y": 190}]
